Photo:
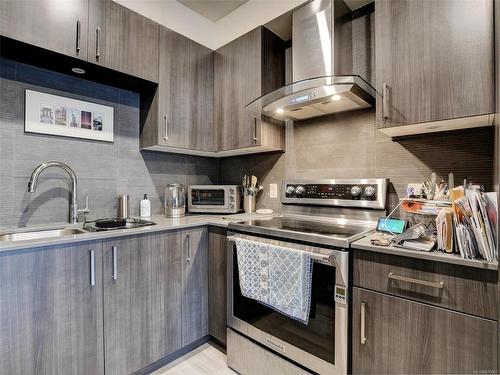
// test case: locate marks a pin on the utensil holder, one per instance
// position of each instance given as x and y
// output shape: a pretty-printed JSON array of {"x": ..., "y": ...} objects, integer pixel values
[{"x": 249, "y": 203}]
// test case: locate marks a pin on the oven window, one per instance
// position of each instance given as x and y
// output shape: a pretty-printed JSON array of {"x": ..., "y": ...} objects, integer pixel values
[
  {"x": 208, "y": 197},
  {"x": 317, "y": 337}
]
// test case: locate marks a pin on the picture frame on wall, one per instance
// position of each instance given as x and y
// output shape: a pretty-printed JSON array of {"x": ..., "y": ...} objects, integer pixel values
[{"x": 66, "y": 117}]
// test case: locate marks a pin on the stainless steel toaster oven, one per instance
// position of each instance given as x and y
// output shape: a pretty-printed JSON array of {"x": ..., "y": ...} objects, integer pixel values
[{"x": 214, "y": 199}]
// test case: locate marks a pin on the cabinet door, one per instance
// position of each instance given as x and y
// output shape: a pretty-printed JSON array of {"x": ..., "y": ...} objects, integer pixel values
[
  {"x": 123, "y": 40},
  {"x": 217, "y": 283},
  {"x": 59, "y": 26},
  {"x": 50, "y": 313},
  {"x": 185, "y": 93},
  {"x": 142, "y": 300},
  {"x": 402, "y": 337},
  {"x": 195, "y": 285},
  {"x": 237, "y": 82},
  {"x": 436, "y": 58}
]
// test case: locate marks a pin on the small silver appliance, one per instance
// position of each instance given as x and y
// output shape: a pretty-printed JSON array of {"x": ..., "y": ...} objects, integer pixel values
[
  {"x": 221, "y": 199},
  {"x": 175, "y": 200}
]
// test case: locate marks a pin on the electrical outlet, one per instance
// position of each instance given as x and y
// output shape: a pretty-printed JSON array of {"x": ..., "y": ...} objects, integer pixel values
[{"x": 273, "y": 191}]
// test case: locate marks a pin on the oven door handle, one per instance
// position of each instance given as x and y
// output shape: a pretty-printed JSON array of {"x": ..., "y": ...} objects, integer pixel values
[{"x": 329, "y": 258}]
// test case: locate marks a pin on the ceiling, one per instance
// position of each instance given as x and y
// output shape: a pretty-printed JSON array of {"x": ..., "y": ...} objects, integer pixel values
[
  {"x": 214, "y": 10},
  {"x": 214, "y": 23},
  {"x": 190, "y": 23}
]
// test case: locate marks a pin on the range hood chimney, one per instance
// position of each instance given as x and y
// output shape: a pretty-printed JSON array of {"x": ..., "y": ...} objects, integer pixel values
[{"x": 323, "y": 79}]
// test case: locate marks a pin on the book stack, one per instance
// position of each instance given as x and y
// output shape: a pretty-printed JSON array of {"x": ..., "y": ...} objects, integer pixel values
[{"x": 473, "y": 218}]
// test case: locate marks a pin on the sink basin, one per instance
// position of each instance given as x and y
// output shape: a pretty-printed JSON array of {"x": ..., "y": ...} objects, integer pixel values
[{"x": 36, "y": 235}]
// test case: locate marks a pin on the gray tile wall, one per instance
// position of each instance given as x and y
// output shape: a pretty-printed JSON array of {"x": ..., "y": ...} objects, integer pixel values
[
  {"x": 348, "y": 145},
  {"x": 104, "y": 170}
]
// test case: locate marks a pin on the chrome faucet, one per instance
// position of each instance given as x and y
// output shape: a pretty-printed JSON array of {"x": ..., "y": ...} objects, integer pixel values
[{"x": 73, "y": 206}]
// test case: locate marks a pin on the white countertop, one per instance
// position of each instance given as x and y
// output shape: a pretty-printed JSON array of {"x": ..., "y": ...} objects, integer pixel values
[
  {"x": 162, "y": 224},
  {"x": 436, "y": 256}
]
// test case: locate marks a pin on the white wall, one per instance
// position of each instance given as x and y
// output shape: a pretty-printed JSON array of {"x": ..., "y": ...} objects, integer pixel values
[{"x": 185, "y": 21}]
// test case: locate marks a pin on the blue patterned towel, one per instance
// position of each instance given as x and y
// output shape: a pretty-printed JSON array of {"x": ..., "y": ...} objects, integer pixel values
[{"x": 276, "y": 276}]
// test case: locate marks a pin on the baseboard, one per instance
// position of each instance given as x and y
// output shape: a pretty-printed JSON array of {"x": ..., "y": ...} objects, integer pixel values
[
  {"x": 172, "y": 357},
  {"x": 217, "y": 344}
]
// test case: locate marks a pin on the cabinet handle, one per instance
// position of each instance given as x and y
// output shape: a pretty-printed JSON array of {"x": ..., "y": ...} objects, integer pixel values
[
  {"x": 77, "y": 36},
  {"x": 166, "y": 127},
  {"x": 115, "y": 263},
  {"x": 92, "y": 267},
  {"x": 255, "y": 130},
  {"x": 97, "y": 43},
  {"x": 363, "y": 323},
  {"x": 384, "y": 102},
  {"x": 438, "y": 285},
  {"x": 188, "y": 240}
]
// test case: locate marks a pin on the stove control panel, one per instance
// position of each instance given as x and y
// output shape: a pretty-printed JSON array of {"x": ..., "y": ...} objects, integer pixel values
[
  {"x": 327, "y": 191},
  {"x": 353, "y": 193}
]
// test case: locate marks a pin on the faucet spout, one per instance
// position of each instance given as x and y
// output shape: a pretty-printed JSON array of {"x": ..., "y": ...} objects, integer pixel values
[{"x": 32, "y": 184}]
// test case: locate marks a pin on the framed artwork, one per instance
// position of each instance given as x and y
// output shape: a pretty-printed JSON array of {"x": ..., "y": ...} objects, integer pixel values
[{"x": 57, "y": 115}]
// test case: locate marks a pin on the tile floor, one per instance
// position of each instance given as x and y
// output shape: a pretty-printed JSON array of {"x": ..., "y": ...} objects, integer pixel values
[{"x": 205, "y": 360}]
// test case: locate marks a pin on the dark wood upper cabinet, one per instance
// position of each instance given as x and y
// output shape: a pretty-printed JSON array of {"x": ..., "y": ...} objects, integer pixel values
[
  {"x": 245, "y": 69},
  {"x": 434, "y": 62},
  {"x": 392, "y": 335},
  {"x": 181, "y": 117},
  {"x": 51, "y": 310},
  {"x": 59, "y": 26},
  {"x": 142, "y": 300},
  {"x": 122, "y": 40}
]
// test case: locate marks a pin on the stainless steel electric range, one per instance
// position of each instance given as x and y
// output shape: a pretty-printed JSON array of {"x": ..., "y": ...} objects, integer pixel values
[{"x": 322, "y": 217}]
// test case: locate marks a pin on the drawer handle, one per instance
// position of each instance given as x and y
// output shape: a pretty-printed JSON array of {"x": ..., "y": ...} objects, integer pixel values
[
  {"x": 385, "y": 110},
  {"x": 255, "y": 130},
  {"x": 438, "y": 285},
  {"x": 188, "y": 240},
  {"x": 78, "y": 37},
  {"x": 115, "y": 263},
  {"x": 165, "y": 118},
  {"x": 97, "y": 43},
  {"x": 92, "y": 268},
  {"x": 363, "y": 323}
]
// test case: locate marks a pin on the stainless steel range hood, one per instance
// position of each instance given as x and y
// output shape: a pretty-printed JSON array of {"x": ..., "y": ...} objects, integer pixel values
[{"x": 323, "y": 79}]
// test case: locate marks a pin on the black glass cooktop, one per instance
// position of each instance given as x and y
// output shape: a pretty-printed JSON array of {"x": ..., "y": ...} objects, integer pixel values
[{"x": 337, "y": 232}]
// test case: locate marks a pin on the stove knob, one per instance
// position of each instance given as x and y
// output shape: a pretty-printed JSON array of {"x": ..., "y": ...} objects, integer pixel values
[
  {"x": 299, "y": 190},
  {"x": 355, "y": 191},
  {"x": 290, "y": 190},
  {"x": 370, "y": 191}
]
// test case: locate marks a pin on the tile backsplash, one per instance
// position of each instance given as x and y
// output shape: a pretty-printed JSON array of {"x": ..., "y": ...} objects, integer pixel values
[
  {"x": 348, "y": 145},
  {"x": 104, "y": 170}
]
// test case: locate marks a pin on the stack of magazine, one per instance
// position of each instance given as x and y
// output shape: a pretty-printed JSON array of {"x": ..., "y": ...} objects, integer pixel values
[{"x": 474, "y": 216}]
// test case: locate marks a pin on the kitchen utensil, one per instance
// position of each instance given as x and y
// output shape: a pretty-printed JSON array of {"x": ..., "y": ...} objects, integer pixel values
[
  {"x": 254, "y": 181},
  {"x": 175, "y": 200},
  {"x": 249, "y": 203},
  {"x": 123, "y": 209}
]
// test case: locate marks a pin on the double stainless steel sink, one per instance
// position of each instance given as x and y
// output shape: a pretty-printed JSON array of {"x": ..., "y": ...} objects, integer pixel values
[
  {"x": 88, "y": 226},
  {"x": 40, "y": 234}
]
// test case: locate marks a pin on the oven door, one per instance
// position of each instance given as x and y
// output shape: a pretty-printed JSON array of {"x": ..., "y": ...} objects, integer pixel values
[
  {"x": 322, "y": 344},
  {"x": 208, "y": 199}
]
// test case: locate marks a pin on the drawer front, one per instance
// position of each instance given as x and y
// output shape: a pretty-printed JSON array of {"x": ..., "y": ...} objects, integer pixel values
[
  {"x": 393, "y": 335},
  {"x": 460, "y": 288}
]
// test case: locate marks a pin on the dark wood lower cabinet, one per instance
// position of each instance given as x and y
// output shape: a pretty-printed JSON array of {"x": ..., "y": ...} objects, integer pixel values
[
  {"x": 194, "y": 285},
  {"x": 217, "y": 283},
  {"x": 50, "y": 313},
  {"x": 142, "y": 300},
  {"x": 405, "y": 337}
]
